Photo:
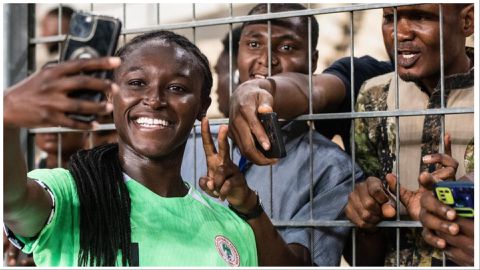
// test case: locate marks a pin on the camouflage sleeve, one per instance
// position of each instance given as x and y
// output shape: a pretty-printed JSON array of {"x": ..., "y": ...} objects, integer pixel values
[
  {"x": 364, "y": 139},
  {"x": 469, "y": 156}
]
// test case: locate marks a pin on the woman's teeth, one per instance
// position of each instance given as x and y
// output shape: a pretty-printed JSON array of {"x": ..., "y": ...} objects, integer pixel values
[{"x": 151, "y": 122}]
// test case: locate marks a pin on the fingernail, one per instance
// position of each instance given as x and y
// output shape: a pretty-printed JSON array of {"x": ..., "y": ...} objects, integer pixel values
[
  {"x": 109, "y": 107},
  {"x": 115, "y": 88},
  {"x": 266, "y": 145},
  {"x": 453, "y": 229},
  {"x": 451, "y": 214},
  {"x": 95, "y": 125},
  {"x": 440, "y": 243},
  {"x": 426, "y": 158},
  {"x": 115, "y": 61}
]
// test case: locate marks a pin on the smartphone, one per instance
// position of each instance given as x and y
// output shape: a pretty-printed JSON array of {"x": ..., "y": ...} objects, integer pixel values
[
  {"x": 272, "y": 128},
  {"x": 458, "y": 195},
  {"x": 90, "y": 36}
]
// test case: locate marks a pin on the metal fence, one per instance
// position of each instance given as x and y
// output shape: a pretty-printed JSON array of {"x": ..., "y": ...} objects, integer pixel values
[{"x": 28, "y": 63}]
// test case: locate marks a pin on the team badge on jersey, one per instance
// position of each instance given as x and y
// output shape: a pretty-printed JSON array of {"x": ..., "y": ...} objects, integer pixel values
[{"x": 227, "y": 250}]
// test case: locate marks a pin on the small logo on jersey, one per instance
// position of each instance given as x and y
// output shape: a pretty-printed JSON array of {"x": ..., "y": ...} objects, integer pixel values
[{"x": 227, "y": 250}]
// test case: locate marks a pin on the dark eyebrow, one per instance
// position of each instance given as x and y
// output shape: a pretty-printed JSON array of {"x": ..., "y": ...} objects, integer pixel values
[
  {"x": 257, "y": 34},
  {"x": 288, "y": 36},
  {"x": 134, "y": 68},
  {"x": 179, "y": 73},
  {"x": 417, "y": 11},
  {"x": 254, "y": 34}
]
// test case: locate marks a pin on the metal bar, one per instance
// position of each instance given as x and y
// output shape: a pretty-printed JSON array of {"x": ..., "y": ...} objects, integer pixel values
[
  {"x": 195, "y": 156},
  {"x": 59, "y": 135},
  {"x": 384, "y": 114},
  {"x": 310, "y": 130},
  {"x": 28, "y": 66},
  {"x": 230, "y": 62},
  {"x": 442, "y": 82},
  {"x": 60, "y": 20},
  {"x": 240, "y": 19},
  {"x": 442, "y": 64},
  {"x": 124, "y": 24},
  {"x": 158, "y": 13},
  {"x": 59, "y": 150},
  {"x": 352, "y": 115},
  {"x": 343, "y": 223},
  {"x": 397, "y": 131},
  {"x": 230, "y": 55},
  {"x": 30, "y": 152},
  {"x": 194, "y": 27},
  {"x": 269, "y": 62},
  {"x": 352, "y": 128},
  {"x": 194, "y": 127},
  {"x": 62, "y": 129},
  {"x": 442, "y": 97}
]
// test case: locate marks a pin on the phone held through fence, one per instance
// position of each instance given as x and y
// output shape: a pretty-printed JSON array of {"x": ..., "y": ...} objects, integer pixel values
[
  {"x": 270, "y": 124},
  {"x": 90, "y": 36},
  {"x": 458, "y": 195}
]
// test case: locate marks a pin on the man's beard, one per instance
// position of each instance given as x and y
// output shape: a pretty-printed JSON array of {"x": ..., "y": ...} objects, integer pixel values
[{"x": 408, "y": 77}]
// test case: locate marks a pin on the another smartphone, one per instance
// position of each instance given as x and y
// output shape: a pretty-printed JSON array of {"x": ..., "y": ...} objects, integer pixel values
[
  {"x": 272, "y": 128},
  {"x": 90, "y": 36},
  {"x": 458, "y": 195}
]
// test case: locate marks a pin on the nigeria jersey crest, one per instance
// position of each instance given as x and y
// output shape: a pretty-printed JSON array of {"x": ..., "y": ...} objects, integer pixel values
[{"x": 227, "y": 250}]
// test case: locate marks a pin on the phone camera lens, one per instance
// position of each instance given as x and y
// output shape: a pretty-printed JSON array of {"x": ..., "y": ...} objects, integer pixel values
[{"x": 81, "y": 25}]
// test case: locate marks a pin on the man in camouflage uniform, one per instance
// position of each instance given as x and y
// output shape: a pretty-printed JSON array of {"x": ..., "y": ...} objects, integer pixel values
[{"x": 418, "y": 59}]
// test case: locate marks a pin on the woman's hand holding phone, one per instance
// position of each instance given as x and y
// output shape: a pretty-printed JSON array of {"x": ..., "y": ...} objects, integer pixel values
[{"x": 43, "y": 99}]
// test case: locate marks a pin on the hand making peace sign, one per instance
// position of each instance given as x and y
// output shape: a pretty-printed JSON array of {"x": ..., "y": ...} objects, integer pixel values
[{"x": 224, "y": 179}]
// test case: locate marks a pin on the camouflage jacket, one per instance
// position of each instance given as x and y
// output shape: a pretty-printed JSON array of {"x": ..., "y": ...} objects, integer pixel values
[{"x": 376, "y": 137}]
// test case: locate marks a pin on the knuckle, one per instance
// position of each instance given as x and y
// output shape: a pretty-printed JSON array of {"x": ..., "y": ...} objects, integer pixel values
[
  {"x": 45, "y": 86},
  {"x": 365, "y": 215},
  {"x": 249, "y": 149},
  {"x": 350, "y": 198},
  {"x": 451, "y": 171},
  {"x": 44, "y": 116},
  {"x": 422, "y": 216},
  {"x": 376, "y": 190},
  {"x": 252, "y": 124},
  {"x": 369, "y": 203},
  {"x": 47, "y": 73},
  {"x": 83, "y": 80}
]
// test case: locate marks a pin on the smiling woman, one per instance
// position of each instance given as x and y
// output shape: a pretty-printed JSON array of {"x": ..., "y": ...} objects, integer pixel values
[
  {"x": 158, "y": 102},
  {"x": 126, "y": 203}
]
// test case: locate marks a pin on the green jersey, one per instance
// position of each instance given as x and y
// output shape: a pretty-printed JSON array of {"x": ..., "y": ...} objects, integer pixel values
[{"x": 183, "y": 231}]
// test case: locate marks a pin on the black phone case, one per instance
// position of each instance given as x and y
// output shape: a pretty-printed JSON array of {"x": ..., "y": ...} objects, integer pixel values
[
  {"x": 90, "y": 36},
  {"x": 272, "y": 128}
]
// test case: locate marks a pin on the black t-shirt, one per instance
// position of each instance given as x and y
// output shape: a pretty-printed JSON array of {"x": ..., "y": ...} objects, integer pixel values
[{"x": 365, "y": 68}]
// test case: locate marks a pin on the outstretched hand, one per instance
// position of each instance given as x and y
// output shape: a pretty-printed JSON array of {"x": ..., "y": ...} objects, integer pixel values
[
  {"x": 43, "y": 99},
  {"x": 223, "y": 180},
  {"x": 250, "y": 98},
  {"x": 369, "y": 204},
  {"x": 445, "y": 169}
]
